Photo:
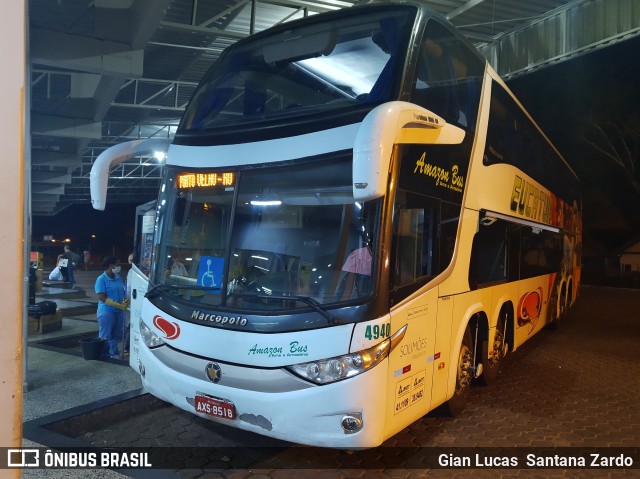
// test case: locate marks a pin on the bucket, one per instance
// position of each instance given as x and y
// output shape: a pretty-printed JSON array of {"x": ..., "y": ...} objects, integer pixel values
[{"x": 92, "y": 348}]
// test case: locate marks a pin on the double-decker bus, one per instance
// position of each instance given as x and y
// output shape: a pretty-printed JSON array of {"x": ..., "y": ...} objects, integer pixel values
[{"x": 357, "y": 220}]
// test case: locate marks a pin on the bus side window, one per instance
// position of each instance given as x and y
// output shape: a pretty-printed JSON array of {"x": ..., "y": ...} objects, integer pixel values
[
  {"x": 541, "y": 252},
  {"x": 409, "y": 246},
  {"x": 489, "y": 254},
  {"x": 415, "y": 240}
]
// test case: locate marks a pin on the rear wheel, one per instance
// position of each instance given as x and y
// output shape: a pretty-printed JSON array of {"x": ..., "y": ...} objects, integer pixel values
[
  {"x": 562, "y": 310},
  {"x": 464, "y": 375},
  {"x": 492, "y": 355}
]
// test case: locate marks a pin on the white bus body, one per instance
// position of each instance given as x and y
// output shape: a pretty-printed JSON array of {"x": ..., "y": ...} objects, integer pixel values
[{"x": 351, "y": 228}]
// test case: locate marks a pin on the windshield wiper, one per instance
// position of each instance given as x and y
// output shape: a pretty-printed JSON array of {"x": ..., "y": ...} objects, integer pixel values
[
  {"x": 331, "y": 319},
  {"x": 158, "y": 288}
]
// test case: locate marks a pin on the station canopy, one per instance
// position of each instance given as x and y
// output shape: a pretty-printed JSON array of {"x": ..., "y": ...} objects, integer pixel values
[{"x": 108, "y": 71}]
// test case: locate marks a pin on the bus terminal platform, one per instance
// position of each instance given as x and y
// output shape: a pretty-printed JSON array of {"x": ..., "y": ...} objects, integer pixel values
[{"x": 576, "y": 387}]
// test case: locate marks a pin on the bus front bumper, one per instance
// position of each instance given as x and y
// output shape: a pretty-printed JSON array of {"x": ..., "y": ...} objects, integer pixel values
[{"x": 271, "y": 402}]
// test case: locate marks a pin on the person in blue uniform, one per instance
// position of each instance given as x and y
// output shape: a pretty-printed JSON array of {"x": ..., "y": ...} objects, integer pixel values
[{"x": 112, "y": 304}]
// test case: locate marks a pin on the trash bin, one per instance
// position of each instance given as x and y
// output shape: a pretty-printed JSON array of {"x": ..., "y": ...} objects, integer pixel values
[{"x": 92, "y": 348}]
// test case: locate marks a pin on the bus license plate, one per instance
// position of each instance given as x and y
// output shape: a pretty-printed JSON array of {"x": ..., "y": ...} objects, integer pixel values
[{"x": 215, "y": 407}]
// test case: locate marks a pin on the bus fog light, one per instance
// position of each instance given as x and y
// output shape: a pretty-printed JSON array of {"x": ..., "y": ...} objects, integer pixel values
[{"x": 352, "y": 423}]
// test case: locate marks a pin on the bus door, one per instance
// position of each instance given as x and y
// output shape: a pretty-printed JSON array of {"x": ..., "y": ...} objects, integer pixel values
[
  {"x": 415, "y": 255},
  {"x": 410, "y": 374},
  {"x": 137, "y": 285}
]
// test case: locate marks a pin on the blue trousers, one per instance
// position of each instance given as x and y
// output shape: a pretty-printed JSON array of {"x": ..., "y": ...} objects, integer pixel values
[{"x": 110, "y": 328}]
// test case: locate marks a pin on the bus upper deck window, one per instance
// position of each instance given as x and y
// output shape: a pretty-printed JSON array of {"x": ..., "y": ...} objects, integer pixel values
[{"x": 447, "y": 77}]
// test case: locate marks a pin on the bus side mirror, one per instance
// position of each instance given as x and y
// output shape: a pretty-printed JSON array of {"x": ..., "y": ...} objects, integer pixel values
[
  {"x": 392, "y": 123},
  {"x": 99, "y": 176}
]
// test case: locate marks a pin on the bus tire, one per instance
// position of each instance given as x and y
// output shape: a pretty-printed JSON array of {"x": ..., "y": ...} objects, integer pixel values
[
  {"x": 464, "y": 375},
  {"x": 492, "y": 358},
  {"x": 562, "y": 310}
]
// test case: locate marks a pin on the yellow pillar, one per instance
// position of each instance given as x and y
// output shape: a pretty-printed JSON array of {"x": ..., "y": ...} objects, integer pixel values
[{"x": 14, "y": 189}]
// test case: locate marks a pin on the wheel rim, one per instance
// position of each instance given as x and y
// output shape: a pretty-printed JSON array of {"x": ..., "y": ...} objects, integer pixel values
[
  {"x": 498, "y": 351},
  {"x": 464, "y": 369}
]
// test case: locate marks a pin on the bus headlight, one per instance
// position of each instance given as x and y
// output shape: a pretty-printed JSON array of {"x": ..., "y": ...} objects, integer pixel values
[
  {"x": 325, "y": 371},
  {"x": 150, "y": 339}
]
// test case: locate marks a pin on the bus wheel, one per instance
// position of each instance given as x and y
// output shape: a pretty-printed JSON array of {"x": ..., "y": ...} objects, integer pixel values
[
  {"x": 492, "y": 357},
  {"x": 464, "y": 375},
  {"x": 557, "y": 322}
]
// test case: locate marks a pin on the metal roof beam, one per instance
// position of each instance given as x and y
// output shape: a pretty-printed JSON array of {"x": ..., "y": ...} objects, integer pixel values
[
  {"x": 47, "y": 189},
  {"x": 65, "y": 127},
  {"x": 89, "y": 55},
  {"x": 171, "y": 95},
  {"x": 54, "y": 158},
  {"x": 314, "y": 6},
  {"x": 463, "y": 8},
  {"x": 38, "y": 176},
  {"x": 571, "y": 30},
  {"x": 195, "y": 28}
]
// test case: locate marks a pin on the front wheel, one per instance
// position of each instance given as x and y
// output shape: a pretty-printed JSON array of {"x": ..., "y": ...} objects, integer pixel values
[{"x": 464, "y": 375}]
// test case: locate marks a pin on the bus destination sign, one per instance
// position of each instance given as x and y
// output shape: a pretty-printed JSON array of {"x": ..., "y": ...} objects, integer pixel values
[{"x": 205, "y": 180}]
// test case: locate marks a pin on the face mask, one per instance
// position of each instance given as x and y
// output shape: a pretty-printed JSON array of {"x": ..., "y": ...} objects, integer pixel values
[{"x": 116, "y": 269}]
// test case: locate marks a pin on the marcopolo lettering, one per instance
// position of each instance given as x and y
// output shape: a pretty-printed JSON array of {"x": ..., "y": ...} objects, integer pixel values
[{"x": 219, "y": 319}]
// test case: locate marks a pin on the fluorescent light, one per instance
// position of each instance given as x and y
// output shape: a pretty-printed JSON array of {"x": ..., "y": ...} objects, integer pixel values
[{"x": 266, "y": 203}]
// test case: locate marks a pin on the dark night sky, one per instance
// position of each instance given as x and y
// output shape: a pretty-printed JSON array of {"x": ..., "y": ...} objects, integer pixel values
[{"x": 601, "y": 84}]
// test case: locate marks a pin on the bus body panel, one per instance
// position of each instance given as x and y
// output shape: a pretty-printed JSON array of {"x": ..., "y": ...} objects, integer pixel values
[
  {"x": 307, "y": 416},
  {"x": 457, "y": 279},
  {"x": 532, "y": 308},
  {"x": 137, "y": 284},
  {"x": 267, "y": 151},
  {"x": 262, "y": 350},
  {"x": 410, "y": 373},
  {"x": 369, "y": 333},
  {"x": 465, "y": 306}
]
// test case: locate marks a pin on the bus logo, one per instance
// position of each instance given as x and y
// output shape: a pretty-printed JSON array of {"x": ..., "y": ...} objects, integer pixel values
[
  {"x": 213, "y": 372},
  {"x": 529, "y": 308},
  {"x": 171, "y": 330}
]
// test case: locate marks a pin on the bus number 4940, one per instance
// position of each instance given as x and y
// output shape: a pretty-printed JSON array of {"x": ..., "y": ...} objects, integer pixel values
[{"x": 377, "y": 331}]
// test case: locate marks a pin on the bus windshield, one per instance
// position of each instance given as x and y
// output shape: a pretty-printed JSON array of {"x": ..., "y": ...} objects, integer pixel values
[
  {"x": 266, "y": 238},
  {"x": 311, "y": 68}
]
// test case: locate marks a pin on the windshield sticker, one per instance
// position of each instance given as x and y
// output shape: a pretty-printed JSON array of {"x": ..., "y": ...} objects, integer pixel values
[
  {"x": 293, "y": 349},
  {"x": 210, "y": 272}
]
